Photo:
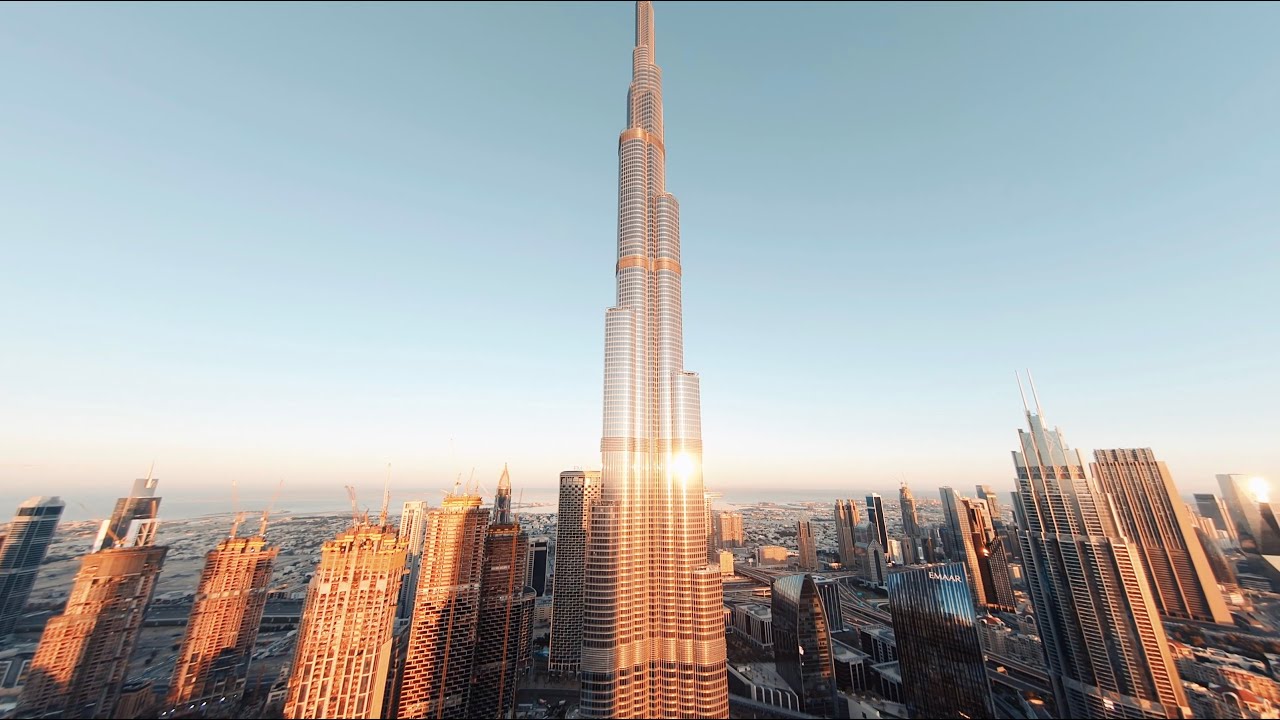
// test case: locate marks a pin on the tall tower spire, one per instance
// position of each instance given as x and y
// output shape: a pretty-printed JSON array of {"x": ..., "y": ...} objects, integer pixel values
[
  {"x": 502, "y": 499},
  {"x": 653, "y": 637}
]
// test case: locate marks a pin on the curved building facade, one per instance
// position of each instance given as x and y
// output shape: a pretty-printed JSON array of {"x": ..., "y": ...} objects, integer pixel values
[{"x": 653, "y": 629}]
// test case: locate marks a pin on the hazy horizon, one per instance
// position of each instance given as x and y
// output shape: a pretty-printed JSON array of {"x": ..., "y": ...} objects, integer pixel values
[{"x": 265, "y": 241}]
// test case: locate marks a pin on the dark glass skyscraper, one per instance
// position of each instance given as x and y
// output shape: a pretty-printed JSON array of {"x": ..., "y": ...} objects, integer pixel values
[
  {"x": 875, "y": 514},
  {"x": 944, "y": 672},
  {"x": 802, "y": 643},
  {"x": 21, "y": 552}
]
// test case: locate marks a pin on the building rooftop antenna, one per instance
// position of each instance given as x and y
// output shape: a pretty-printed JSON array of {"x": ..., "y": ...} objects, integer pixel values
[
  {"x": 1021, "y": 394},
  {"x": 1034, "y": 395}
]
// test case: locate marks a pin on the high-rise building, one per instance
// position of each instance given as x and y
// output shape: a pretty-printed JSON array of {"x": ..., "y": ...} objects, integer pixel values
[
  {"x": 994, "y": 511},
  {"x": 1106, "y": 651},
  {"x": 225, "y": 616},
  {"x": 506, "y": 607},
  {"x": 953, "y": 525},
  {"x": 728, "y": 531},
  {"x": 713, "y": 549},
  {"x": 829, "y": 591},
  {"x": 802, "y": 643},
  {"x": 1156, "y": 521},
  {"x": 22, "y": 550},
  {"x": 579, "y": 492},
  {"x": 912, "y": 533},
  {"x": 83, "y": 657},
  {"x": 869, "y": 559},
  {"x": 413, "y": 525},
  {"x": 538, "y": 557},
  {"x": 847, "y": 519},
  {"x": 132, "y": 515},
  {"x": 1243, "y": 495},
  {"x": 653, "y": 625},
  {"x": 346, "y": 637},
  {"x": 437, "y": 673},
  {"x": 1224, "y": 571},
  {"x": 943, "y": 669},
  {"x": 807, "y": 549},
  {"x": 991, "y": 561},
  {"x": 875, "y": 515},
  {"x": 1212, "y": 507}
]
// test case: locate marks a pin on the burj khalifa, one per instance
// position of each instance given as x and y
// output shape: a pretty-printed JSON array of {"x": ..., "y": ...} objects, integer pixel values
[{"x": 653, "y": 627}]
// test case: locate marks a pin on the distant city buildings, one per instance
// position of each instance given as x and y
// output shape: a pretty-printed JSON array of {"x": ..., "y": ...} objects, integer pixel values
[
  {"x": 82, "y": 660},
  {"x": 225, "y": 617},
  {"x": 1155, "y": 519},
  {"x": 22, "y": 549},
  {"x": 772, "y": 555},
  {"x": 1212, "y": 507},
  {"x": 807, "y": 550},
  {"x": 942, "y": 667},
  {"x": 728, "y": 530},
  {"x": 345, "y": 640},
  {"x": 879, "y": 523},
  {"x": 1106, "y": 648},
  {"x": 579, "y": 492},
  {"x": 846, "y": 520},
  {"x": 912, "y": 533}
]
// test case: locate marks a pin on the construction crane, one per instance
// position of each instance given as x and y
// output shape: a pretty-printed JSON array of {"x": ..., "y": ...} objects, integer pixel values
[
  {"x": 262, "y": 529},
  {"x": 355, "y": 507}
]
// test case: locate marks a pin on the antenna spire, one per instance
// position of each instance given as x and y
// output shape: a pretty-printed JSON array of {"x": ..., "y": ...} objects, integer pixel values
[
  {"x": 1018, "y": 377},
  {"x": 1034, "y": 395}
]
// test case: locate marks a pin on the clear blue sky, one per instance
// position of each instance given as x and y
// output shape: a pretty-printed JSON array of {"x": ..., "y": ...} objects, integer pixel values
[{"x": 255, "y": 241}]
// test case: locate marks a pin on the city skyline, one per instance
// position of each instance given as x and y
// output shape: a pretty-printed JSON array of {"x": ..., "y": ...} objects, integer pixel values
[{"x": 216, "y": 310}]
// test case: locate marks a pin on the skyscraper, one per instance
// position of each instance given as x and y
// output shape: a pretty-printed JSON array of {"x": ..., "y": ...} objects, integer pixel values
[
  {"x": 437, "y": 673},
  {"x": 1156, "y": 521},
  {"x": 413, "y": 524},
  {"x": 1106, "y": 651},
  {"x": 713, "y": 548},
  {"x": 1240, "y": 493},
  {"x": 653, "y": 625},
  {"x": 345, "y": 639},
  {"x": 912, "y": 548},
  {"x": 875, "y": 514},
  {"x": 22, "y": 550},
  {"x": 579, "y": 492},
  {"x": 506, "y": 606},
  {"x": 807, "y": 550},
  {"x": 944, "y": 671},
  {"x": 226, "y": 614},
  {"x": 132, "y": 515},
  {"x": 985, "y": 557},
  {"x": 1212, "y": 507},
  {"x": 994, "y": 512},
  {"x": 953, "y": 524},
  {"x": 847, "y": 519},
  {"x": 728, "y": 532},
  {"x": 538, "y": 557},
  {"x": 83, "y": 656},
  {"x": 802, "y": 643}
]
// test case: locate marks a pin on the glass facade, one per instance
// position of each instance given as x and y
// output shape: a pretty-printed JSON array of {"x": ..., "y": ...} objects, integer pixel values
[
  {"x": 802, "y": 643},
  {"x": 943, "y": 670},
  {"x": 653, "y": 640}
]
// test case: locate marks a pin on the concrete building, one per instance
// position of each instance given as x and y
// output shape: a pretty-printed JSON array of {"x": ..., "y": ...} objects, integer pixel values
[
  {"x": 346, "y": 636},
  {"x": 82, "y": 660},
  {"x": 413, "y": 524},
  {"x": 438, "y": 668},
  {"x": 807, "y": 556},
  {"x": 225, "y": 617}
]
